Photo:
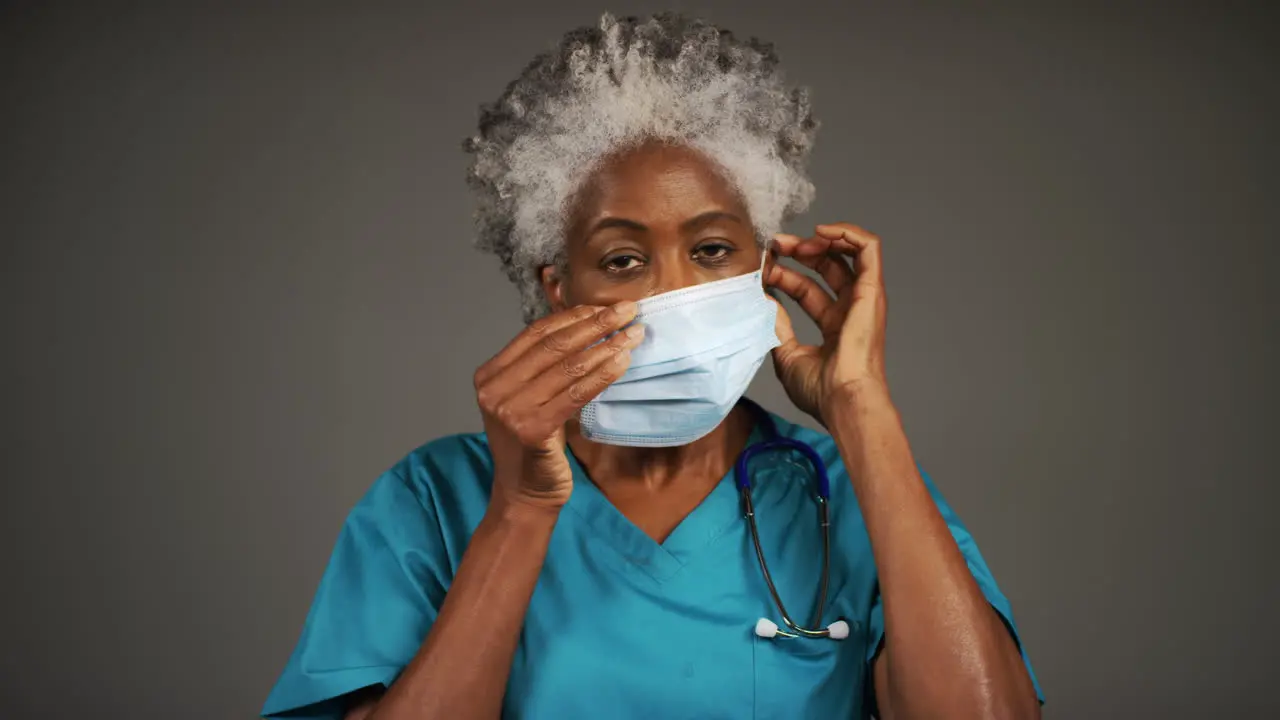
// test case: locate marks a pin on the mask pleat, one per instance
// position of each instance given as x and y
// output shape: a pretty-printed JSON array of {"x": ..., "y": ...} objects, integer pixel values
[{"x": 702, "y": 347}]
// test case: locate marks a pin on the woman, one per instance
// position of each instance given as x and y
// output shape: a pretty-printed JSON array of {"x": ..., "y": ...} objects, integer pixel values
[{"x": 587, "y": 555}]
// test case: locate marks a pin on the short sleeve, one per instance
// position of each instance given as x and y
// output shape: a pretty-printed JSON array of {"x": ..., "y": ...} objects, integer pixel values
[
  {"x": 981, "y": 573},
  {"x": 379, "y": 596}
]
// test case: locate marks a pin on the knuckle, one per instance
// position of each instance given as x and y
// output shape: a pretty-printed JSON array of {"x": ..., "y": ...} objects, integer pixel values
[
  {"x": 506, "y": 416},
  {"x": 553, "y": 343},
  {"x": 528, "y": 435},
  {"x": 574, "y": 367},
  {"x": 578, "y": 393},
  {"x": 583, "y": 391},
  {"x": 604, "y": 321},
  {"x": 609, "y": 373},
  {"x": 519, "y": 426},
  {"x": 540, "y": 326},
  {"x": 855, "y": 229}
]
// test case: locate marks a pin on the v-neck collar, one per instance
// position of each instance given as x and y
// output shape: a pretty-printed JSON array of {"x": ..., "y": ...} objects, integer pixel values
[{"x": 717, "y": 512}]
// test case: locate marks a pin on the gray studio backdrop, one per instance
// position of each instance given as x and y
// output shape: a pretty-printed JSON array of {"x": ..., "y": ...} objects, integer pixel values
[{"x": 237, "y": 285}]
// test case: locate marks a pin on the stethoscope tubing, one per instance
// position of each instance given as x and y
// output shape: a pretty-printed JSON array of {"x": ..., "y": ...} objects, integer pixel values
[{"x": 742, "y": 479}]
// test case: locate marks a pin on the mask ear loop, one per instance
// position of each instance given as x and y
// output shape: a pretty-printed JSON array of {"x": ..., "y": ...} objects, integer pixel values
[{"x": 764, "y": 283}]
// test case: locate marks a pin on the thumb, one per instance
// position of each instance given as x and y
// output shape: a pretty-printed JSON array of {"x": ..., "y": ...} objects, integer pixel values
[
  {"x": 785, "y": 354},
  {"x": 782, "y": 327}
]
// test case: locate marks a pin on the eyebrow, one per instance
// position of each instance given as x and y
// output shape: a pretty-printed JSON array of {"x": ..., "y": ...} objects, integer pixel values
[
  {"x": 615, "y": 222},
  {"x": 700, "y": 219},
  {"x": 708, "y": 216}
]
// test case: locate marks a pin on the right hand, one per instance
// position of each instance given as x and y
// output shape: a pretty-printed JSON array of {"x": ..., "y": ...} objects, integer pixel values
[{"x": 536, "y": 384}]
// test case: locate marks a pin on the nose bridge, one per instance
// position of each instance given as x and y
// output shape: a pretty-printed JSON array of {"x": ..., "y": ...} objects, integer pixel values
[{"x": 672, "y": 270}]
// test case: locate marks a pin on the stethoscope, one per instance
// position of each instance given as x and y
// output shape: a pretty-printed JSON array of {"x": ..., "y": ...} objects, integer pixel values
[{"x": 765, "y": 627}]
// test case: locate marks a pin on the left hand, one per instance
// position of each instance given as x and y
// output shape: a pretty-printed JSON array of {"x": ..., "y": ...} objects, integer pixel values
[{"x": 851, "y": 356}]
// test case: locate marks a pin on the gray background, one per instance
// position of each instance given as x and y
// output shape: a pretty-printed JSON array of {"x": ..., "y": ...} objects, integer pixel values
[{"x": 237, "y": 285}]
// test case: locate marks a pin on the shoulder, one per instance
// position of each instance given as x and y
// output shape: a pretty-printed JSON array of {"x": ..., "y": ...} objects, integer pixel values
[
  {"x": 821, "y": 442},
  {"x": 796, "y": 431},
  {"x": 850, "y": 529},
  {"x": 451, "y": 477},
  {"x": 826, "y": 447},
  {"x": 449, "y": 460}
]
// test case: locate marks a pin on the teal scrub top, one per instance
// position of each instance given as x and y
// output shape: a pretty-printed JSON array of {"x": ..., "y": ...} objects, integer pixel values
[{"x": 619, "y": 626}]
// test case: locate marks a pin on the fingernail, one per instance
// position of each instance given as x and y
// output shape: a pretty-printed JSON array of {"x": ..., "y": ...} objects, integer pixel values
[
  {"x": 635, "y": 332},
  {"x": 622, "y": 357},
  {"x": 626, "y": 307}
]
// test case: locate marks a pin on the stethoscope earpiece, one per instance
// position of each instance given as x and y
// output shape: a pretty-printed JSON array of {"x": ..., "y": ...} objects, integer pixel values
[{"x": 767, "y": 628}]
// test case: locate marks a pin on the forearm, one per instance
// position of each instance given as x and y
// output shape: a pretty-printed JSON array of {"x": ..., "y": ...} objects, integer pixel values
[
  {"x": 950, "y": 653},
  {"x": 461, "y": 669}
]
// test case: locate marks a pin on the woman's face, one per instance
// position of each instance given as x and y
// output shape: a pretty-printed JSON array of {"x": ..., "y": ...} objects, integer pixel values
[{"x": 651, "y": 220}]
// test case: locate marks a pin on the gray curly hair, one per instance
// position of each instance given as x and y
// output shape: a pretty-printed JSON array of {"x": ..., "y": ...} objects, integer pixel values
[{"x": 608, "y": 87}]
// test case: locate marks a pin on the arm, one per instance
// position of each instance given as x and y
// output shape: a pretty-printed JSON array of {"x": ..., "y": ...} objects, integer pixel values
[
  {"x": 526, "y": 393},
  {"x": 946, "y": 651},
  {"x": 461, "y": 669}
]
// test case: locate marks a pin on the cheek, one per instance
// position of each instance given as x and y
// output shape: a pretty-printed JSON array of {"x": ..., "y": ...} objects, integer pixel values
[{"x": 590, "y": 289}]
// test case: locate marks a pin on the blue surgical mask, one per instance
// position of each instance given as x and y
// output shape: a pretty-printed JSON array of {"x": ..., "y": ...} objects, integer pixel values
[{"x": 702, "y": 346}]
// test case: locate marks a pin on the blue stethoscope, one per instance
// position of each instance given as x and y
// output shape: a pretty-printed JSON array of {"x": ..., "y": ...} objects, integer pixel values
[{"x": 773, "y": 442}]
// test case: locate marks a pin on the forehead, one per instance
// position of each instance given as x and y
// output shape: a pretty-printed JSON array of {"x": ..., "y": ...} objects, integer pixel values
[{"x": 655, "y": 181}]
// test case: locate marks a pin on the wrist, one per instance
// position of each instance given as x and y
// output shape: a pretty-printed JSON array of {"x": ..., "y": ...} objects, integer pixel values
[
  {"x": 524, "y": 513},
  {"x": 854, "y": 399}
]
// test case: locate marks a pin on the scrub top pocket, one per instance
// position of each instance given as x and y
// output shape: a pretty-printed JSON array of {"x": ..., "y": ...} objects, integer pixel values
[{"x": 810, "y": 677}]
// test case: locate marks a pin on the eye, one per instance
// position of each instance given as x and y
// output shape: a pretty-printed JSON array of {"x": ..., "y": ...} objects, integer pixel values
[
  {"x": 622, "y": 263},
  {"x": 713, "y": 251}
]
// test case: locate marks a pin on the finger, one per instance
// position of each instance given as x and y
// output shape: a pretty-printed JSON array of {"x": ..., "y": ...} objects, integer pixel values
[
  {"x": 564, "y": 375},
  {"x": 816, "y": 254},
  {"x": 833, "y": 268},
  {"x": 558, "y": 409},
  {"x": 554, "y": 347},
  {"x": 782, "y": 326},
  {"x": 794, "y": 246},
  {"x": 531, "y": 335},
  {"x": 864, "y": 245},
  {"x": 836, "y": 271},
  {"x": 572, "y": 339},
  {"x": 811, "y": 297},
  {"x": 787, "y": 340}
]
